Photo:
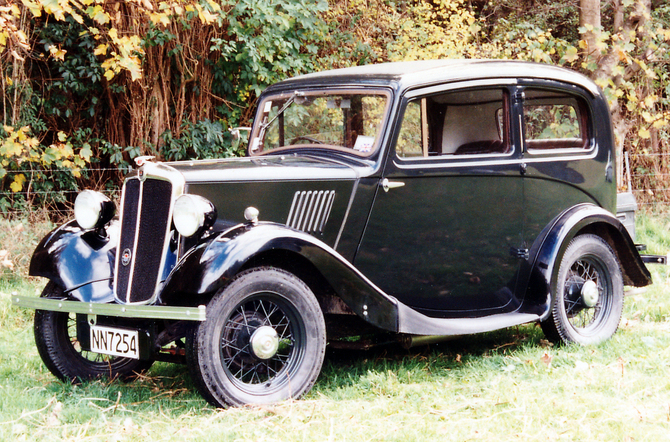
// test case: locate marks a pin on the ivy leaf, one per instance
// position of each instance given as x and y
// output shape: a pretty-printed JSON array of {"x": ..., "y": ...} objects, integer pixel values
[
  {"x": 85, "y": 152},
  {"x": 17, "y": 185},
  {"x": 571, "y": 55}
]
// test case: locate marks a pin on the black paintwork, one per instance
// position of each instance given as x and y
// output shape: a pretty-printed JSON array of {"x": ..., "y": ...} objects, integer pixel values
[{"x": 468, "y": 244}]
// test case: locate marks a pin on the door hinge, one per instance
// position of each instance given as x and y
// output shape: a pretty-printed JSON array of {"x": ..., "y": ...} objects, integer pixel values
[{"x": 519, "y": 253}]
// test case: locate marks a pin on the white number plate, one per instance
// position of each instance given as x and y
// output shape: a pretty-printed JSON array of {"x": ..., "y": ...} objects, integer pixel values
[{"x": 115, "y": 342}]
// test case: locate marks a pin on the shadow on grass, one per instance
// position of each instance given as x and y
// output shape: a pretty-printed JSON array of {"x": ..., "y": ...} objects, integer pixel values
[
  {"x": 345, "y": 368},
  {"x": 169, "y": 386}
]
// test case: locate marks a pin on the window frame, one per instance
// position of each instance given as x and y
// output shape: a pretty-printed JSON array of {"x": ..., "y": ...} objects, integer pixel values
[
  {"x": 332, "y": 148},
  {"x": 586, "y": 124},
  {"x": 505, "y": 85}
]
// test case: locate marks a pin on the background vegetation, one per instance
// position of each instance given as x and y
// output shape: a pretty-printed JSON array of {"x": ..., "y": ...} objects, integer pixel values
[{"x": 86, "y": 85}]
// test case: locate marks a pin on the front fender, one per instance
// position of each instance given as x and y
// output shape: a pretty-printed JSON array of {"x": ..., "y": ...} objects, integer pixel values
[
  {"x": 210, "y": 265},
  {"x": 80, "y": 261},
  {"x": 548, "y": 251}
]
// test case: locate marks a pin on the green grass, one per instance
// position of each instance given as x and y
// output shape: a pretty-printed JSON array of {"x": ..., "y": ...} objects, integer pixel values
[{"x": 506, "y": 385}]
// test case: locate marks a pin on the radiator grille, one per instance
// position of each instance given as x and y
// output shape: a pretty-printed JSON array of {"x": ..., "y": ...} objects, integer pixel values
[
  {"x": 145, "y": 223},
  {"x": 310, "y": 210}
]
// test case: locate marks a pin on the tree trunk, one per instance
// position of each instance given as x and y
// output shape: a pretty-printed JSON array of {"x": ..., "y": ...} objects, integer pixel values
[{"x": 589, "y": 18}]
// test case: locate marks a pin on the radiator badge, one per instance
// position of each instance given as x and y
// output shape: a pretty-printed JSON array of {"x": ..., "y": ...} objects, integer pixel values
[{"x": 125, "y": 257}]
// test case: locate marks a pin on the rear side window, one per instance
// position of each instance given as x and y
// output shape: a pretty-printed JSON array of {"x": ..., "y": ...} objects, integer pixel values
[
  {"x": 554, "y": 120},
  {"x": 464, "y": 122}
]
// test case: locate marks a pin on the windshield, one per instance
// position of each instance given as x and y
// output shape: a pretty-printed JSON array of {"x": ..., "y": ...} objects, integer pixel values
[{"x": 349, "y": 121}]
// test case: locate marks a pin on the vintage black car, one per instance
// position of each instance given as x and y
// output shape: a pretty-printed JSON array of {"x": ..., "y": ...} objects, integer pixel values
[{"x": 423, "y": 199}]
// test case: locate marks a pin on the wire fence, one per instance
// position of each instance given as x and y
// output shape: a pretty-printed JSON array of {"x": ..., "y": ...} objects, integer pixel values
[{"x": 58, "y": 204}]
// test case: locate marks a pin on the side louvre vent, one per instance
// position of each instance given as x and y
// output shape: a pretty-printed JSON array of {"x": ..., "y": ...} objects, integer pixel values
[{"x": 310, "y": 210}]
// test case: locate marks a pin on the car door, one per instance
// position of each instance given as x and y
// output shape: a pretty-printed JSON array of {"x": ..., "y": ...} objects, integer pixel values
[
  {"x": 564, "y": 166},
  {"x": 445, "y": 232}
]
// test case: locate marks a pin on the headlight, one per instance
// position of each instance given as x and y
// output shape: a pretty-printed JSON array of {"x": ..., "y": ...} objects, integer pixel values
[
  {"x": 193, "y": 214},
  {"x": 93, "y": 209}
]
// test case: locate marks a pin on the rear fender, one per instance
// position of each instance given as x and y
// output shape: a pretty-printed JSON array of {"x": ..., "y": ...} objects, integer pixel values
[
  {"x": 549, "y": 248},
  {"x": 211, "y": 265},
  {"x": 80, "y": 261}
]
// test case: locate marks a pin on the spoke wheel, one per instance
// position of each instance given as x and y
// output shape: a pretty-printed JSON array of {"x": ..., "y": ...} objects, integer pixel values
[
  {"x": 263, "y": 342},
  {"x": 59, "y": 348},
  {"x": 588, "y": 298}
]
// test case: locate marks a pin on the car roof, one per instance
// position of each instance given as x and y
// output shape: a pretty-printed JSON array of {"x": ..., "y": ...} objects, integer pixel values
[{"x": 409, "y": 74}]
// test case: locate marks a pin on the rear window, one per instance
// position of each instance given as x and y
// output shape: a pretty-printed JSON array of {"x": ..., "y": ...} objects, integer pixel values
[{"x": 554, "y": 121}]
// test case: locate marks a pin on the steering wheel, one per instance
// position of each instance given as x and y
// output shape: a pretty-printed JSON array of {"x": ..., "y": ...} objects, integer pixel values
[{"x": 306, "y": 138}]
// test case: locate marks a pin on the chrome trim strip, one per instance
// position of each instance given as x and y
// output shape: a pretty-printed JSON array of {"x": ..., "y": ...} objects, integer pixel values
[
  {"x": 133, "y": 260},
  {"x": 346, "y": 214},
  {"x": 447, "y": 162},
  {"x": 118, "y": 310},
  {"x": 331, "y": 200}
]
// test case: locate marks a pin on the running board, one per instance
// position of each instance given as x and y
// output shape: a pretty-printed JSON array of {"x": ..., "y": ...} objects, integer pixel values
[{"x": 412, "y": 322}]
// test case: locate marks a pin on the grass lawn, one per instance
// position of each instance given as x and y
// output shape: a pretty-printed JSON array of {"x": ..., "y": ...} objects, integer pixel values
[{"x": 507, "y": 385}]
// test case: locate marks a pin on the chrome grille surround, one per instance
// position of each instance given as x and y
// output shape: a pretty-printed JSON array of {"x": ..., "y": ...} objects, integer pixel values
[
  {"x": 146, "y": 218},
  {"x": 310, "y": 210}
]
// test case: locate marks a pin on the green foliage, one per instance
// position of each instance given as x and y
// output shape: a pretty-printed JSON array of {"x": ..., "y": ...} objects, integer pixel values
[
  {"x": 175, "y": 77},
  {"x": 265, "y": 41},
  {"x": 204, "y": 139}
]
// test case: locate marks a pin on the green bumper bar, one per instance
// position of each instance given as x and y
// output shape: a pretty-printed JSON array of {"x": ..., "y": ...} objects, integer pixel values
[{"x": 119, "y": 310}]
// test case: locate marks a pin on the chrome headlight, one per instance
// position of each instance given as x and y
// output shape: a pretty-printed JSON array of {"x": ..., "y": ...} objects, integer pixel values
[
  {"x": 93, "y": 209},
  {"x": 193, "y": 214}
]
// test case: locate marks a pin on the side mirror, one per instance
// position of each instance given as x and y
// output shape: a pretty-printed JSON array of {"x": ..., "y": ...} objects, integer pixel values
[{"x": 237, "y": 136}]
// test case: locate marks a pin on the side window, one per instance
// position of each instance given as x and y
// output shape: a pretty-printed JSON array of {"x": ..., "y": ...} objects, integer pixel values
[
  {"x": 463, "y": 122},
  {"x": 554, "y": 120}
]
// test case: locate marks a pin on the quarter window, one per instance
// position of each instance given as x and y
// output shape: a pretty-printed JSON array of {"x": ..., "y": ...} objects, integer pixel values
[
  {"x": 464, "y": 122},
  {"x": 554, "y": 120}
]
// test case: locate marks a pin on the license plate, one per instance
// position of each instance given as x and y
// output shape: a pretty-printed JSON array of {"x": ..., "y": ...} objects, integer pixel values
[{"x": 115, "y": 341}]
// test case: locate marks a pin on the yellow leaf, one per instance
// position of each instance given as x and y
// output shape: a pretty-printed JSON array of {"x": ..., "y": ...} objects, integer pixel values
[
  {"x": 17, "y": 185},
  {"x": 571, "y": 55},
  {"x": 583, "y": 44},
  {"x": 101, "y": 50},
  {"x": 644, "y": 133},
  {"x": 651, "y": 100},
  {"x": 658, "y": 124},
  {"x": 99, "y": 15},
  {"x": 57, "y": 53},
  {"x": 62, "y": 136}
]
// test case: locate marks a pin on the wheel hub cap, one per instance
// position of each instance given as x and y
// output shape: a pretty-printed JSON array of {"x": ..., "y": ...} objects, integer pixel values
[
  {"x": 264, "y": 342},
  {"x": 590, "y": 294}
]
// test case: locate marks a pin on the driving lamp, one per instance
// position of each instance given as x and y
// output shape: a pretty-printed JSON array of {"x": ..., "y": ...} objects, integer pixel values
[
  {"x": 193, "y": 214},
  {"x": 93, "y": 209}
]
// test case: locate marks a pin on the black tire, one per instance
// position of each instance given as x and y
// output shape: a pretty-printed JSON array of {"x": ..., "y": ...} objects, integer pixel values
[
  {"x": 245, "y": 314},
  {"x": 57, "y": 344},
  {"x": 585, "y": 312}
]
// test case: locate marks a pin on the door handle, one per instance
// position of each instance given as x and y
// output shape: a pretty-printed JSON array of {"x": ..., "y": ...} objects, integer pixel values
[{"x": 386, "y": 184}]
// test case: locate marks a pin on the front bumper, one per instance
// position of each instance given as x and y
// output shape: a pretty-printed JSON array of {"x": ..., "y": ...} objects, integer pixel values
[{"x": 116, "y": 310}]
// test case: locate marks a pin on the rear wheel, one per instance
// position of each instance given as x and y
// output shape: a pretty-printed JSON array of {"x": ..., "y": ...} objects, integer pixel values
[
  {"x": 61, "y": 351},
  {"x": 589, "y": 293},
  {"x": 263, "y": 341}
]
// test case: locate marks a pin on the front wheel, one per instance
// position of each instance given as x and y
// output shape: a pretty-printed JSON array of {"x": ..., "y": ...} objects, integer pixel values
[
  {"x": 62, "y": 353},
  {"x": 588, "y": 298},
  {"x": 264, "y": 341}
]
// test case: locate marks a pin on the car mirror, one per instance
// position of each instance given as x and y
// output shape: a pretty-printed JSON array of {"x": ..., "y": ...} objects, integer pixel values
[{"x": 235, "y": 132}]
